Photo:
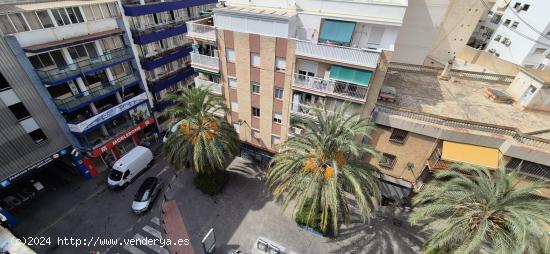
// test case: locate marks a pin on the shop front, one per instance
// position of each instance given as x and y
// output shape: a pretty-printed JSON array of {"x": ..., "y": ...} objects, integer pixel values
[{"x": 256, "y": 154}]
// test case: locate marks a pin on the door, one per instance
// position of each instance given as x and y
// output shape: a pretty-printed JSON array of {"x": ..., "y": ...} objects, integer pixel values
[{"x": 526, "y": 97}]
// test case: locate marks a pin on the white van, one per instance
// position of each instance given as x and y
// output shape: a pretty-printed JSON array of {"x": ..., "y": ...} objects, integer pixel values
[{"x": 129, "y": 166}]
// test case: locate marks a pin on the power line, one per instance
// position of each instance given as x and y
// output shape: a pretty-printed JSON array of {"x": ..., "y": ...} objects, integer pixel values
[{"x": 526, "y": 23}]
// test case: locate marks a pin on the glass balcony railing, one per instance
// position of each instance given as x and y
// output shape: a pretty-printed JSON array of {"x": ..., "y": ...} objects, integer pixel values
[
  {"x": 204, "y": 61},
  {"x": 212, "y": 86},
  {"x": 74, "y": 69},
  {"x": 103, "y": 89},
  {"x": 164, "y": 52},
  {"x": 156, "y": 27},
  {"x": 332, "y": 87},
  {"x": 201, "y": 31}
]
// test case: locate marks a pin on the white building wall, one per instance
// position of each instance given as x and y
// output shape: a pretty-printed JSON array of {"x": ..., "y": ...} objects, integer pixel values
[{"x": 530, "y": 34}]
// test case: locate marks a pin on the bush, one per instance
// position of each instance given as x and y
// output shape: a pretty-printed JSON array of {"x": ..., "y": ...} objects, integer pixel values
[
  {"x": 210, "y": 184},
  {"x": 314, "y": 222}
]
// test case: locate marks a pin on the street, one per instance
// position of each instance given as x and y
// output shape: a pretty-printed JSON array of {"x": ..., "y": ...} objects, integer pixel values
[{"x": 99, "y": 218}]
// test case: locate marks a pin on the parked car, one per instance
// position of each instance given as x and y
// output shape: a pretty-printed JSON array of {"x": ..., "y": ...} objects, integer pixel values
[
  {"x": 173, "y": 129},
  {"x": 127, "y": 168},
  {"x": 146, "y": 195}
]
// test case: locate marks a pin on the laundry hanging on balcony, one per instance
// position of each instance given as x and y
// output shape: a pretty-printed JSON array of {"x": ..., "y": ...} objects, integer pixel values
[{"x": 351, "y": 75}]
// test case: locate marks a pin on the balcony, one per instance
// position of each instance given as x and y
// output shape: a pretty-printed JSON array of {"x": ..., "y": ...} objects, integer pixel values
[
  {"x": 164, "y": 57},
  {"x": 96, "y": 93},
  {"x": 201, "y": 31},
  {"x": 208, "y": 63},
  {"x": 336, "y": 88},
  {"x": 214, "y": 88},
  {"x": 69, "y": 72},
  {"x": 134, "y": 8},
  {"x": 157, "y": 27},
  {"x": 360, "y": 57},
  {"x": 162, "y": 82}
]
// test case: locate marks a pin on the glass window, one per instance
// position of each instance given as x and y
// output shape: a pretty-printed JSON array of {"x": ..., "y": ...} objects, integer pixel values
[
  {"x": 6, "y": 26},
  {"x": 255, "y": 112},
  {"x": 29, "y": 124},
  {"x": 230, "y": 55},
  {"x": 57, "y": 58},
  {"x": 72, "y": 15},
  {"x": 277, "y": 118},
  {"x": 255, "y": 59},
  {"x": 90, "y": 48},
  {"x": 232, "y": 82},
  {"x": 514, "y": 25},
  {"x": 57, "y": 17},
  {"x": 45, "y": 19},
  {"x": 105, "y": 10},
  {"x": 507, "y": 22},
  {"x": 278, "y": 93},
  {"x": 19, "y": 111},
  {"x": 113, "y": 9},
  {"x": 46, "y": 60},
  {"x": 88, "y": 12},
  {"x": 280, "y": 64},
  {"x": 255, "y": 88},
  {"x": 34, "y": 23},
  {"x": 97, "y": 11},
  {"x": 38, "y": 136},
  {"x": 3, "y": 82},
  {"x": 77, "y": 51},
  {"x": 18, "y": 22}
]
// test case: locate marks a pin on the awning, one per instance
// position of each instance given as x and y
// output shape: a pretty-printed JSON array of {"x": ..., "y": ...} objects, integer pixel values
[
  {"x": 337, "y": 31},
  {"x": 71, "y": 41},
  {"x": 471, "y": 154},
  {"x": 356, "y": 76}
]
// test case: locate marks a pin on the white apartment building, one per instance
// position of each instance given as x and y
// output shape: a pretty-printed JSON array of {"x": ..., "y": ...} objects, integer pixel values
[{"x": 517, "y": 31}]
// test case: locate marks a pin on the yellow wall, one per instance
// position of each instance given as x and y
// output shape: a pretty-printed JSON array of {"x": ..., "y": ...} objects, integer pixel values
[{"x": 477, "y": 155}]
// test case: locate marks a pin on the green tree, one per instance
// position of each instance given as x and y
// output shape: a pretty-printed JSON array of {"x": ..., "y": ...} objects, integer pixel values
[
  {"x": 320, "y": 168},
  {"x": 203, "y": 140},
  {"x": 475, "y": 210}
]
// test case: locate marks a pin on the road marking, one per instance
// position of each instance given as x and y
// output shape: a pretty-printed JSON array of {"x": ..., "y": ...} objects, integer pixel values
[
  {"x": 155, "y": 220},
  {"x": 163, "y": 170},
  {"x": 133, "y": 249},
  {"x": 155, "y": 247},
  {"x": 152, "y": 231}
]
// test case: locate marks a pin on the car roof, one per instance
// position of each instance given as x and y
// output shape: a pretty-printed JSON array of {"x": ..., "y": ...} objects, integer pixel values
[{"x": 147, "y": 185}]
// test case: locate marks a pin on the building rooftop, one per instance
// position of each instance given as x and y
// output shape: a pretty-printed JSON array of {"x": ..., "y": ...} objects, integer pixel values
[
  {"x": 41, "y": 5},
  {"x": 461, "y": 99},
  {"x": 543, "y": 76},
  {"x": 259, "y": 11}
]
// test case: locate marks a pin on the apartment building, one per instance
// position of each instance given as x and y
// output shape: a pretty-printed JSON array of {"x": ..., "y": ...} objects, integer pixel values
[
  {"x": 518, "y": 32},
  {"x": 273, "y": 62},
  {"x": 78, "y": 57},
  {"x": 158, "y": 33},
  {"x": 483, "y": 119}
]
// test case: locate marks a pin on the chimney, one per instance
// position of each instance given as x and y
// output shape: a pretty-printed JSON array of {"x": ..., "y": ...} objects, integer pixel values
[{"x": 446, "y": 73}]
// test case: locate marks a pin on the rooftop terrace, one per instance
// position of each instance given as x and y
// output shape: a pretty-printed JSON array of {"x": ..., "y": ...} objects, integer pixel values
[{"x": 461, "y": 99}]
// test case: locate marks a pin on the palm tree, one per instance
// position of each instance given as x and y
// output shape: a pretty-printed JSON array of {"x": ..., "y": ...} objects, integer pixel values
[
  {"x": 321, "y": 167},
  {"x": 474, "y": 210},
  {"x": 203, "y": 139}
]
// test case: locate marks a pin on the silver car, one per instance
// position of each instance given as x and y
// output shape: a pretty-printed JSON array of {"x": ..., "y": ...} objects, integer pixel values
[{"x": 146, "y": 195}]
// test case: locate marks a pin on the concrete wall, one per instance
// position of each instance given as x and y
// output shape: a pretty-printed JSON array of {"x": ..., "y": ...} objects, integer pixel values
[
  {"x": 487, "y": 60},
  {"x": 539, "y": 101}
]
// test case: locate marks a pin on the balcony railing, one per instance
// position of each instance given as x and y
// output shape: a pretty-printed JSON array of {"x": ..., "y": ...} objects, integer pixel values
[
  {"x": 332, "y": 87},
  {"x": 79, "y": 67},
  {"x": 212, "y": 86},
  {"x": 209, "y": 62},
  {"x": 155, "y": 27},
  {"x": 201, "y": 31},
  {"x": 164, "y": 76},
  {"x": 164, "y": 52},
  {"x": 106, "y": 88},
  {"x": 361, "y": 57}
]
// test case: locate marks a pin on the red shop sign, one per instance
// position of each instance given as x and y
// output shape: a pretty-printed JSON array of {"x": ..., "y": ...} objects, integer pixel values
[{"x": 97, "y": 152}]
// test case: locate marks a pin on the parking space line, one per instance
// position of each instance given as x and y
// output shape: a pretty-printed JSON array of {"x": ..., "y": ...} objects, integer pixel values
[{"x": 152, "y": 231}]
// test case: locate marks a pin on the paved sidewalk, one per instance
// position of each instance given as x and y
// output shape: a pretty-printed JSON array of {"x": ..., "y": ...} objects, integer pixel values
[{"x": 246, "y": 210}]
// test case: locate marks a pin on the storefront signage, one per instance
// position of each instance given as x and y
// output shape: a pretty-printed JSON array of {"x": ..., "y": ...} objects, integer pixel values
[
  {"x": 106, "y": 115},
  {"x": 34, "y": 166},
  {"x": 97, "y": 152}
]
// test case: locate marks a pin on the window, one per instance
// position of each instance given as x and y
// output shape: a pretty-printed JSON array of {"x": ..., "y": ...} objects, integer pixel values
[
  {"x": 19, "y": 111},
  {"x": 29, "y": 125},
  {"x": 6, "y": 26},
  {"x": 278, "y": 93},
  {"x": 230, "y": 55},
  {"x": 232, "y": 82},
  {"x": 517, "y": 5},
  {"x": 539, "y": 51},
  {"x": 277, "y": 118},
  {"x": 526, "y": 7},
  {"x": 32, "y": 19},
  {"x": 496, "y": 19},
  {"x": 507, "y": 22},
  {"x": 45, "y": 19},
  {"x": 255, "y": 112},
  {"x": 515, "y": 25},
  {"x": 75, "y": 15},
  {"x": 398, "y": 136},
  {"x": 275, "y": 141},
  {"x": 255, "y": 87},
  {"x": 280, "y": 64},
  {"x": 234, "y": 106},
  {"x": 237, "y": 127},
  {"x": 498, "y": 37},
  {"x": 255, "y": 59},
  {"x": 77, "y": 52},
  {"x": 38, "y": 136},
  {"x": 506, "y": 42},
  {"x": 541, "y": 66},
  {"x": 3, "y": 83},
  {"x": 18, "y": 22},
  {"x": 387, "y": 160}
]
